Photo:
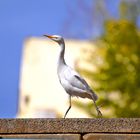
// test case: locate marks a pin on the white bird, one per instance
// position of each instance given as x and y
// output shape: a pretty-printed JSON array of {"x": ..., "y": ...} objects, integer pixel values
[{"x": 70, "y": 80}]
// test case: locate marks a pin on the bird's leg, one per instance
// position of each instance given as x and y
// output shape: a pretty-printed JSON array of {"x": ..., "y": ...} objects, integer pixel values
[
  {"x": 69, "y": 107},
  {"x": 97, "y": 108}
]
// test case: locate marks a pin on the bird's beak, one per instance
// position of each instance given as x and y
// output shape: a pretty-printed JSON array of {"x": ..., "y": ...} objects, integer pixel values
[{"x": 49, "y": 36}]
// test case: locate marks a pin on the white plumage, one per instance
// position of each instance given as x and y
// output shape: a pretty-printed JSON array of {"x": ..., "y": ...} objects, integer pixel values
[{"x": 70, "y": 80}]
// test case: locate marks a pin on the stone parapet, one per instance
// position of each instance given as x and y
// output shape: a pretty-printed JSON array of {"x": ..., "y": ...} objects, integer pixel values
[{"x": 71, "y": 129}]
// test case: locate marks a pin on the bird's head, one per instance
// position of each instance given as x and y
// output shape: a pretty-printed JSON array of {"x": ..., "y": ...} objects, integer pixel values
[{"x": 55, "y": 38}]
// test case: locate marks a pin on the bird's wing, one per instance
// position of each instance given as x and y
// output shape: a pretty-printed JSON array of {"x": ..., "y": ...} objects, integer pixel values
[
  {"x": 79, "y": 82},
  {"x": 70, "y": 78},
  {"x": 76, "y": 80}
]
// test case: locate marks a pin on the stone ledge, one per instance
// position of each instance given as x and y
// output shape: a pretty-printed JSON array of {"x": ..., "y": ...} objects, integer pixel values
[
  {"x": 63, "y": 126},
  {"x": 111, "y": 136},
  {"x": 43, "y": 136}
]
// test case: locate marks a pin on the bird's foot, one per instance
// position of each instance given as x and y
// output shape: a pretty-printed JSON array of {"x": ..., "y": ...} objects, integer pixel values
[
  {"x": 99, "y": 113},
  {"x": 97, "y": 109}
]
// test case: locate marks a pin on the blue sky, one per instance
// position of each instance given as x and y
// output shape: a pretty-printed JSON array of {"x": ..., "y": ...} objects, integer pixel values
[{"x": 20, "y": 19}]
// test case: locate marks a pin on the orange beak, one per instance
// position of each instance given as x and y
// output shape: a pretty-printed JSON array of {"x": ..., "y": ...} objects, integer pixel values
[{"x": 49, "y": 36}]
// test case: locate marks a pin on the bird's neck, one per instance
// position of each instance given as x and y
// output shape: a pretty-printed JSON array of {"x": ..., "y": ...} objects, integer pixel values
[{"x": 61, "y": 60}]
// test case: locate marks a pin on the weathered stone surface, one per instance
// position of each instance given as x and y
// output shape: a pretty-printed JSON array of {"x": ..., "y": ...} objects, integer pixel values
[
  {"x": 44, "y": 136},
  {"x": 111, "y": 137},
  {"x": 44, "y": 126}
]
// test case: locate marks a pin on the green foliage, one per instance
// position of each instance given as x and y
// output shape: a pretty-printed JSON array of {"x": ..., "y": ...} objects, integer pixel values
[{"x": 117, "y": 77}]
